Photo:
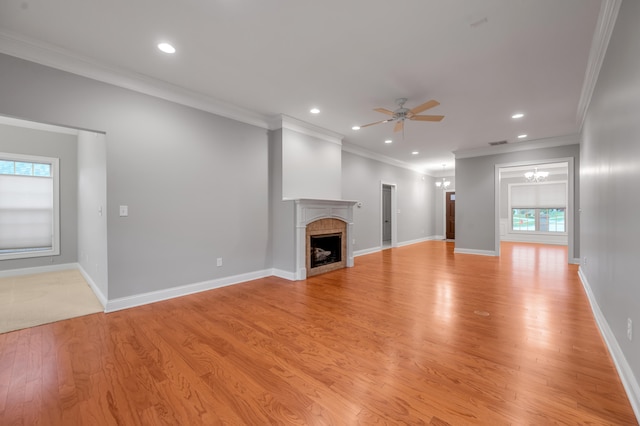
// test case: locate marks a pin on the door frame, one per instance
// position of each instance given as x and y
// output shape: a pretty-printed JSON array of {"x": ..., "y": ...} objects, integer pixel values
[
  {"x": 444, "y": 211},
  {"x": 394, "y": 213},
  {"x": 570, "y": 202}
]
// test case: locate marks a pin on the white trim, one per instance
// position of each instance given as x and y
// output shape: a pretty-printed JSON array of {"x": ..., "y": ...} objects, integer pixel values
[
  {"x": 474, "y": 251},
  {"x": 184, "y": 290},
  {"x": 417, "y": 240},
  {"x": 37, "y": 270},
  {"x": 362, "y": 152},
  {"x": 17, "y": 122},
  {"x": 56, "y": 57},
  {"x": 101, "y": 297},
  {"x": 444, "y": 210},
  {"x": 570, "y": 211},
  {"x": 280, "y": 273},
  {"x": 394, "y": 213},
  {"x": 366, "y": 251},
  {"x": 604, "y": 28},
  {"x": 624, "y": 369},
  {"x": 290, "y": 123},
  {"x": 573, "y": 139},
  {"x": 55, "y": 176}
]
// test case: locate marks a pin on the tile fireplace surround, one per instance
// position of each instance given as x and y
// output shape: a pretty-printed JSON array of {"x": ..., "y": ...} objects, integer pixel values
[{"x": 309, "y": 210}]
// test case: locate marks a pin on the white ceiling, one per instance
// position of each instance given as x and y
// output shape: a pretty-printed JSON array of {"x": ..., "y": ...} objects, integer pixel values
[{"x": 483, "y": 60}]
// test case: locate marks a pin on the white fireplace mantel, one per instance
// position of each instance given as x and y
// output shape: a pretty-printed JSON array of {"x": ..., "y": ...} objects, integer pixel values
[{"x": 310, "y": 210}]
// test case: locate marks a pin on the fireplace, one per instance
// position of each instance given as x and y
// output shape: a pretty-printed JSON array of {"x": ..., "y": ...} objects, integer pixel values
[
  {"x": 323, "y": 240},
  {"x": 325, "y": 243}
]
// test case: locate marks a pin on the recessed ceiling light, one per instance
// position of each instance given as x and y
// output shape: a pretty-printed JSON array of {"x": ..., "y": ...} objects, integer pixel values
[
  {"x": 314, "y": 111},
  {"x": 522, "y": 136},
  {"x": 166, "y": 48},
  {"x": 388, "y": 141},
  {"x": 355, "y": 128},
  {"x": 518, "y": 115},
  {"x": 415, "y": 153}
]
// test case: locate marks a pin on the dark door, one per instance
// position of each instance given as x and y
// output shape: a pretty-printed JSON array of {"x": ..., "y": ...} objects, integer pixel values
[
  {"x": 451, "y": 215},
  {"x": 386, "y": 214}
]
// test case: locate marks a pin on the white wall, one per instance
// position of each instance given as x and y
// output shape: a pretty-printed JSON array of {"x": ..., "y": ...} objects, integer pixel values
[
  {"x": 610, "y": 194},
  {"x": 92, "y": 209}
]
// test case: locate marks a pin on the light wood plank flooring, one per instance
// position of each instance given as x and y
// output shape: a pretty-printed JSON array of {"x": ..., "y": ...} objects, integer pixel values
[{"x": 413, "y": 335}]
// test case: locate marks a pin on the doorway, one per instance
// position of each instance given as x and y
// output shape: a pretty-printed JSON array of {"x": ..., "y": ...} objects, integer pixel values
[
  {"x": 450, "y": 215},
  {"x": 388, "y": 216}
]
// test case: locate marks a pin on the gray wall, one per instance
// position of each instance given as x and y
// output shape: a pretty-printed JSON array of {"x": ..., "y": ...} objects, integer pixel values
[
  {"x": 475, "y": 194},
  {"x": 610, "y": 193},
  {"x": 361, "y": 181},
  {"x": 92, "y": 209},
  {"x": 282, "y": 213},
  {"x": 20, "y": 140},
  {"x": 196, "y": 184},
  {"x": 310, "y": 167}
]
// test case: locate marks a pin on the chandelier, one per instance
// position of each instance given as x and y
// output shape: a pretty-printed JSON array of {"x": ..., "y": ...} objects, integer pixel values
[
  {"x": 535, "y": 176},
  {"x": 444, "y": 184}
]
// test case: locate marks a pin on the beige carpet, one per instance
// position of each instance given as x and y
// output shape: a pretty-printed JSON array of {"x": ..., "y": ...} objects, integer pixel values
[{"x": 30, "y": 300}]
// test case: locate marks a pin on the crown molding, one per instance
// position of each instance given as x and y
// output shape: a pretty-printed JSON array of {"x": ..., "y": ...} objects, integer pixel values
[
  {"x": 290, "y": 123},
  {"x": 363, "y": 152},
  {"x": 604, "y": 28},
  {"x": 573, "y": 139},
  {"x": 64, "y": 60}
]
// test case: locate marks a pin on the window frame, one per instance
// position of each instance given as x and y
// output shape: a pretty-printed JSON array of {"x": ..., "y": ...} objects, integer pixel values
[
  {"x": 537, "y": 221},
  {"x": 55, "y": 175},
  {"x": 510, "y": 229}
]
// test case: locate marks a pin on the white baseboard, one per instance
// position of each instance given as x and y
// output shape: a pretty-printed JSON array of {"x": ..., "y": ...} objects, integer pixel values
[
  {"x": 287, "y": 275},
  {"x": 624, "y": 370},
  {"x": 366, "y": 251},
  {"x": 416, "y": 241},
  {"x": 38, "y": 270},
  {"x": 401, "y": 244},
  {"x": 474, "y": 251},
  {"x": 170, "y": 293},
  {"x": 101, "y": 297}
]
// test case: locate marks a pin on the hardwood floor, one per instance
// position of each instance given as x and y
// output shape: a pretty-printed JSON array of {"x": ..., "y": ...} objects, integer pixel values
[{"x": 413, "y": 335}]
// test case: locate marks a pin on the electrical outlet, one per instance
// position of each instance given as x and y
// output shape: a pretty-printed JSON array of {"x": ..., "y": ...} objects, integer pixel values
[
  {"x": 629, "y": 329},
  {"x": 219, "y": 261}
]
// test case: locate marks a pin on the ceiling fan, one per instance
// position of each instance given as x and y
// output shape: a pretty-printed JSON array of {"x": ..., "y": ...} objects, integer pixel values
[{"x": 401, "y": 114}]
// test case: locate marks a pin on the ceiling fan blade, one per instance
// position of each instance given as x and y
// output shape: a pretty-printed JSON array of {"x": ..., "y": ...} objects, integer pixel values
[
  {"x": 425, "y": 106},
  {"x": 371, "y": 124},
  {"x": 427, "y": 117},
  {"x": 384, "y": 111},
  {"x": 399, "y": 126}
]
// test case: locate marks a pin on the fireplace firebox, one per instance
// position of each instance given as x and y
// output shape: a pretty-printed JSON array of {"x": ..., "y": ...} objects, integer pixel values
[{"x": 325, "y": 249}]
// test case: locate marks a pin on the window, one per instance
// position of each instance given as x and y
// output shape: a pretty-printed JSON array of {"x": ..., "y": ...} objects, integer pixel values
[
  {"x": 29, "y": 203},
  {"x": 538, "y": 207},
  {"x": 538, "y": 220}
]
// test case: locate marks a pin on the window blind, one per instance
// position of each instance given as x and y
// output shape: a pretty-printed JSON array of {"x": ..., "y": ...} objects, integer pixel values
[
  {"x": 539, "y": 195},
  {"x": 26, "y": 212}
]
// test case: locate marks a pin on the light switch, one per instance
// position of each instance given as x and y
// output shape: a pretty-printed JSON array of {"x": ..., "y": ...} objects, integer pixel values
[{"x": 124, "y": 211}]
